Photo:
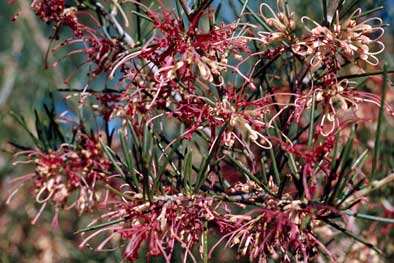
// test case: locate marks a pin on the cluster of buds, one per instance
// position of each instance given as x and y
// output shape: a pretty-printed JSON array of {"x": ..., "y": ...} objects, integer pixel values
[
  {"x": 55, "y": 11},
  {"x": 48, "y": 10}
]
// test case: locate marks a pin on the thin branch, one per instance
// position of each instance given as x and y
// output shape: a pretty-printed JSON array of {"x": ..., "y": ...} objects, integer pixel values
[
  {"x": 124, "y": 36},
  {"x": 374, "y": 185},
  {"x": 185, "y": 7}
]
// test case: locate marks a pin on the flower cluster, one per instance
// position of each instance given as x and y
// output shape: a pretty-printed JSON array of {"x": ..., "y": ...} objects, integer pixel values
[
  {"x": 161, "y": 223},
  {"x": 350, "y": 38},
  {"x": 273, "y": 233},
  {"x": 69, "y": 176}
]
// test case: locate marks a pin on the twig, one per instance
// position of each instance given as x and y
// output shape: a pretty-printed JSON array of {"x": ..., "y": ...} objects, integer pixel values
[
  {"x": 124, "y": 36},
  {"x": 374, "y": 185},
  {"x": 186, "y": 8}
]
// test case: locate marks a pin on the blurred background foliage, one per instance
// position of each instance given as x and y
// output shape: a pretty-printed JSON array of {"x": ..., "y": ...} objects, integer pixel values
[{"x": 25, "y": 86}]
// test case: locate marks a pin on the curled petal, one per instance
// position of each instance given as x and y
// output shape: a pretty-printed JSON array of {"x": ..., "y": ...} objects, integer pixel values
[
  {"x": 42, "y": 190},
  {"x": 306, "y": 19}
]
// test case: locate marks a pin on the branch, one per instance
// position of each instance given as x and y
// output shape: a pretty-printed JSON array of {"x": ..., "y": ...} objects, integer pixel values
[
  {"x": 186, "y": 8},
  {"x": 124, "y": 36},
  {"x": 374, "y": 185}
]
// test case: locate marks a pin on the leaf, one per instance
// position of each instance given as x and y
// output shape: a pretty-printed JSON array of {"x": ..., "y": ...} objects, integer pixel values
[
  {"x": 273, "y": 162},
  {"x": 371, "y": 73},
  {"x": 352, "y": 235},
  {"x": 110, "y": 223},
  {"x": 22, "y": 122},
  {"x": 147, "y": 143},
  {"x": 147, "y": 154},
  {"x": 134, "y": 137},
  {"x": 379, "y": 127},
  {"x": 263, "y": 172},
  {"x": 112, "y": 157},
  {"x": 203, "y": 172},
  {"x": 168, "y": 156},
  {"x": 40, "y": 130},
  {"x": 188, "y": 170},
  {"x": 147, "y": 18},
  {"x": 370, "y": 217},
  {"x": 344, "y": 160},
  {"x": 56, "y": 138},
  {"x": 255, "y": 16},
  {"x": 248, "y": 174},
  {"x": 129, "y": 160},
  {"x": 311, "y": 121}
]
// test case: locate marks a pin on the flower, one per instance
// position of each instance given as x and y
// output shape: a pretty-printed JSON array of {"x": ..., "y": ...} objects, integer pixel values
[
  {"x": 350, "y": 38},
  {"x": 355, "y": 38},
  {"x": 276, "y": 231},
  {"x": 281, "y": 22},
  {"x": 161, "y": 223},
  {"x": 61, "y": 173},
  {"x": 336, "y": 98}
]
